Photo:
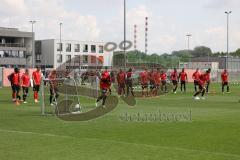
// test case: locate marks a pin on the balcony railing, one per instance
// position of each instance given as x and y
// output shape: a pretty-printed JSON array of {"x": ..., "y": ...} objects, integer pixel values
[{"x": 19, "y": 45}]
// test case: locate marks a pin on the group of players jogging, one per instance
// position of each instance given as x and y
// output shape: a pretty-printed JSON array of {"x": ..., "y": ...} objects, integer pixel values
[{"x": 156, "y": 80}]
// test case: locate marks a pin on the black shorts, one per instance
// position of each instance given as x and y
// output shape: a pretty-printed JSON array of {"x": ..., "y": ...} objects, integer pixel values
[
  {"x": 152, "y": 85},
  {"x": 25, "y": 89},
  {"x": 129, "y": 83},
  {"x": 144, "y": 86},
  {"x": 164, "y": 82},
  {"x": 196, "y": 83},
  {"x": 183, "y": 82},
  {"x": 225, "y": 83},
  {"x": 201, "y": 87},
  {"x": 15, "y": 88},
  {"x": 36, "y": 88},
  {"x": 174, "y": 82}
]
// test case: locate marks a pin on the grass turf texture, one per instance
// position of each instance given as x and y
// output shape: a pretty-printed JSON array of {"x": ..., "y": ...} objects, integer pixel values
[{"x": 213, "y": 133}]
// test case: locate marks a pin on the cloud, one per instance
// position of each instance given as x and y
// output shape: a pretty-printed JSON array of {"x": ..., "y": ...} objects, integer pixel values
[{"x": 48, "y": 15}]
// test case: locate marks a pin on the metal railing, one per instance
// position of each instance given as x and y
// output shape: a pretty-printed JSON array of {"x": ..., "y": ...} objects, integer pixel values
[{"x": 19, "y": 45}]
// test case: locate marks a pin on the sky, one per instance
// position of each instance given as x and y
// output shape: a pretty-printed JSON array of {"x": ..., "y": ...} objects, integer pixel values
[{"x": 102, "y": 20}]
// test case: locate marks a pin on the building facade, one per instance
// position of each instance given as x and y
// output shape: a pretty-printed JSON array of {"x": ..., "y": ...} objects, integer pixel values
[
  {"x": 200, "y": 65},
  {"x": 232, "y": 63},
  {"x": 16, "y": 48},
  {"x": 51, "y": 53}
]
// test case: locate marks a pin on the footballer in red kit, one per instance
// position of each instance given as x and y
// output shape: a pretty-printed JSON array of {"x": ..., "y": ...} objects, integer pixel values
[
  {"x": 53, "y": 87},
  {"x": 201, "y": 83},
  {"x": 224, "y": 77},
  {"x": 129, "y": 82},
  {"x": 157, "y": 81},
  {"x": 25, "y": 84},
  {"x": 144, "y": 82},
  {"x": 15, "y": 80},
  {"x": 208, "y": 80},
  {"x": 121, "y": 80},
  {"x": 105, "y": 83},
  {"x": 195, "y": 77},
  {"x": 183, "y": 79},
  {"x": 151, "y": 81},
  {"x": 36, "y": 77},
  {"x": 174, "y": 78},
  {"x": 163, "y": 77}
]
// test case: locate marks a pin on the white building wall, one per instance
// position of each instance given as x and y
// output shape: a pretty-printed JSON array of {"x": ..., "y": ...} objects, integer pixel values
[{"x": 107, "y": 55}]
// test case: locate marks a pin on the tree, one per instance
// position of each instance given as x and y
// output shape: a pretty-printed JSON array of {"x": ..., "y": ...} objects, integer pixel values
[{"x": 201, "y": 51}]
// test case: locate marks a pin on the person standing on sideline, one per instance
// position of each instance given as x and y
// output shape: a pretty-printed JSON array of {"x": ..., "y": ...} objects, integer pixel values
[
  {"x": 25, "y": 84},
  {"x": 195, "y": 77},
  {"x": 36, "y": 77},
  {"x": 224, "y": 77},
  {"x": 208, "y": 80},
  {"x": 174, "y": 78},
  {"x": 183, "y": 79}
]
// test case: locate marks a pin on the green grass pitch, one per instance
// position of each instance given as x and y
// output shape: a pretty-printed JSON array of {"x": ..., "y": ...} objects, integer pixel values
[{"x": 212, "y": 134}]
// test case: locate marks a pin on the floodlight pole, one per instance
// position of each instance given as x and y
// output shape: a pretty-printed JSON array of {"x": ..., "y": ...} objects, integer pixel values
[
  {"x": 124, "y": 44},
  {"x": 33, "y": 55},
  {"x": 228, "y": 13}
]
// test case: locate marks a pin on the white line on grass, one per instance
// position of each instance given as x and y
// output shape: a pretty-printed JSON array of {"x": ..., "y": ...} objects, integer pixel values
[{"x": 120, "y": 142}]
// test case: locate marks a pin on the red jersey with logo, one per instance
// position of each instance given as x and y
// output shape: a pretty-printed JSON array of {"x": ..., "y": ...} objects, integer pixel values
[
  {"x": 208, "y": 77},
  {"x": 196, "y": 76},
  {"x": 105, "y": 82},
  {"x": 157, "y": 78},
  {"x": 183, "y": 76},
  {"x": 202, "y": 79},
  {"x": 129, "y": 75},
  {"x": 163, "y": 77},
  {"x": 25, "y": 80},
  {"x": 224, "y": 77},
  {"x": 16, "y": 79},
  {"x": 144, "y": 77},
  {"x": 151, "y": 76},
  {"x": 121, "y": 76},
  {"x": 174, "y": 76},
  {"x": 36, "y": 77}
]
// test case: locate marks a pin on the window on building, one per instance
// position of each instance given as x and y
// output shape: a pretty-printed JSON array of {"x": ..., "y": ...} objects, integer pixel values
[
  {"x": 68, "y": 47},
  {"x": 93, "y": 49},
  {"x": 93, "y": 59},
  {"x": 38, "y": 58},
  {"x": 59, "y": 58},
  {"x": 59, "y": 47},
  {"x": 77, "y": 59},
  {"x": 85, "y": 48},
  {"x": 100, "y": 49},
  {"x": 68, "y": 58},
  {"x": 77, "y": 47},
  {"x": 85, "y": 59}
]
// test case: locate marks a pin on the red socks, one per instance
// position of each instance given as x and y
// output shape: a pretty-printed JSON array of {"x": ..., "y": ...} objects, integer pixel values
[{"x": 35, "y": 95}]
